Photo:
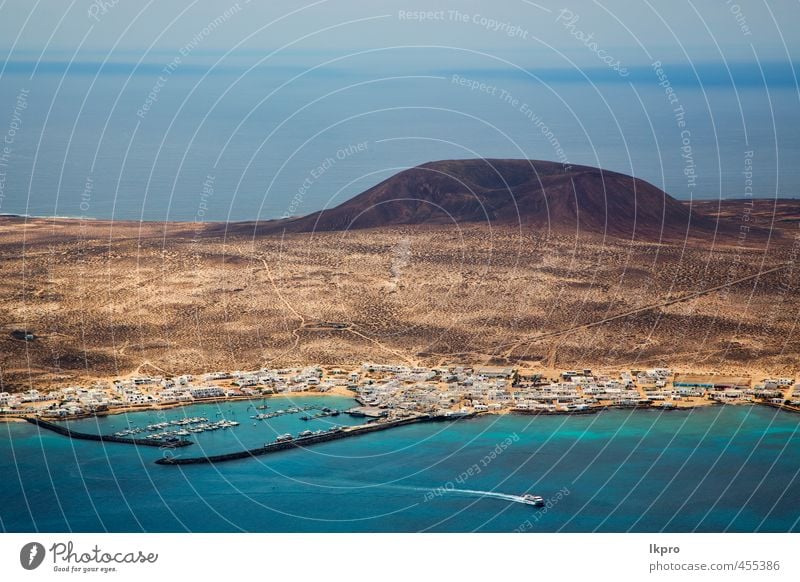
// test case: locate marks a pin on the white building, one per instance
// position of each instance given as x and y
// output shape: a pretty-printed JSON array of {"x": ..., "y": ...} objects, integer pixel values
[{"x": 207, "y": 392}]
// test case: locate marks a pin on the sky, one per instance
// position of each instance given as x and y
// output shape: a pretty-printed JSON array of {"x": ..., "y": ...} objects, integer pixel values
[{"x": 565, "y": 34}]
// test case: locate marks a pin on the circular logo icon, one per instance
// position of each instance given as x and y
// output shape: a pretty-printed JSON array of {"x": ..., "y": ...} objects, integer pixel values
[{"x": 31, "y": 555}]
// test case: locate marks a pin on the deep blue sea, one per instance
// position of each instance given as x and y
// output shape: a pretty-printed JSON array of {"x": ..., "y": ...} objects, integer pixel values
[
  {"x": 244, "y": 139},
  {"x": 716, "y": 469}
]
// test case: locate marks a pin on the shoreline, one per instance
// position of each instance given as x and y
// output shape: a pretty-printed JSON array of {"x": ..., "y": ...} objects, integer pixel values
[
  {"x": 515, "y": 412},
  {"x": 394, "y": 391},
  {"x": 171, "y": 405},
  {"x": 25, "y": 217}
]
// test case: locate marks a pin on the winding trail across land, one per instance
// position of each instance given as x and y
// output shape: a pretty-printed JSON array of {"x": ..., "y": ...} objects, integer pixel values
[{"x": 630, "y": 312}]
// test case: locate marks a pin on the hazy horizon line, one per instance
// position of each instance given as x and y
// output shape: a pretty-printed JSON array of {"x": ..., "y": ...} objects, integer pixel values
[{"x": 711, "y": 73}]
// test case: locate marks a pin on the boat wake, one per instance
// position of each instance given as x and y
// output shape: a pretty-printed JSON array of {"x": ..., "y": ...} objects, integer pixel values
[
  {"x": 449, "y": 491},
  {"x": 491, "y": 494}
]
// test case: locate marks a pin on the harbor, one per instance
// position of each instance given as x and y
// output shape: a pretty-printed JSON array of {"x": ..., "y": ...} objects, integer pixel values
[
  {"x": 215, "y": 428},
  {"x": 146, "y": 441},
  {"x": 286, "y": 430},
  {"x": 169, "y": 431},
  {"x": 283, "y": 443}
]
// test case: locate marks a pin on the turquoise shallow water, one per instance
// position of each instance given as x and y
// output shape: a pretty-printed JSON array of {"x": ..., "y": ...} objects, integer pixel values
[{"x": 714, "y": 469}]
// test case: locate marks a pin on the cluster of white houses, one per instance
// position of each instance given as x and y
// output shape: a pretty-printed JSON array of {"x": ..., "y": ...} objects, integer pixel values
[
  {"x": 152, "y": 390},
  {"x": 488, "y": 389},
  {"x": 398, "y": 389}
]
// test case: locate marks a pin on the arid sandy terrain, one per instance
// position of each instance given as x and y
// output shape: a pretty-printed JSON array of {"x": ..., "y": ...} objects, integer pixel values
[{"x": 105, "y": 299}]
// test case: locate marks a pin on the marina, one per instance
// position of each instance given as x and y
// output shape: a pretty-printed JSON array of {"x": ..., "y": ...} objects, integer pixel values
[
  {"x": 167, "y": 431},
  {"x": 173, "y": 433},
  {"x": 215, "y": 427},
  {"x": 293, "y": 410},
  {"x": 287, "y": 441},
  {"x": 324, "y": 413},
  {"x": 145, "y": 441}
]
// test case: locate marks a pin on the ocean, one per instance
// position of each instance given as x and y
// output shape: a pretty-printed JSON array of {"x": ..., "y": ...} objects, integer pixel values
[
  {"x": 714, "y": 469},
  {"x": 250, "y": 140}
]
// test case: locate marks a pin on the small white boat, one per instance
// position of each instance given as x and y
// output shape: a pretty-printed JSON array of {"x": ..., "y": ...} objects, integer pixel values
[{"x": 535, "y": 500}]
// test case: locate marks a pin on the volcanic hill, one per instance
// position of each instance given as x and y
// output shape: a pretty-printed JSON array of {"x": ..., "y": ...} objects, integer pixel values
[{"x": 545, "y": 196}]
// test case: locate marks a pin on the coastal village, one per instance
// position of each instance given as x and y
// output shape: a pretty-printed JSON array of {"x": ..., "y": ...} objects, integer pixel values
[{"x": 387, "y": 392}]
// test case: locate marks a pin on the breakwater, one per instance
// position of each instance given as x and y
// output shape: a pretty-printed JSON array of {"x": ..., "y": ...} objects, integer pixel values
[
  {"x": 107, "y": 438},
  {"x": 294, "y": 443}
]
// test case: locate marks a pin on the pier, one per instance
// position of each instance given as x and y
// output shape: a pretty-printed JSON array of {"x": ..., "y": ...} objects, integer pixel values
[
  {"x": 366, "y": 411},
  {"x": 172, "y": 444},
  {"x": 300, "y": 442},
  {"x": 323, "y": 412}
]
